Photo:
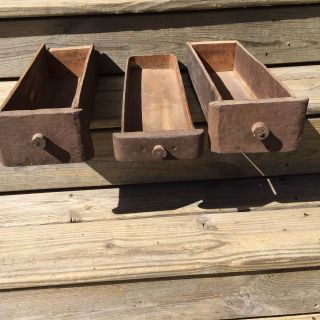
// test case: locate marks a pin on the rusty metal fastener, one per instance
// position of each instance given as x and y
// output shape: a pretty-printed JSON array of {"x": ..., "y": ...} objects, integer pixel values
[
  {"x": 159, "y": 152},
  {"x": 38, "y": 141},
  {"x": 260, "y": 131}
]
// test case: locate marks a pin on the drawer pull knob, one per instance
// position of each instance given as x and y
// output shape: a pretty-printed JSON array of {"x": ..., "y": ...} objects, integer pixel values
[
  {"x": 38, "y": 141},
  {"x": 159, "y": 152},
  {"x": 260, "y": 131}
]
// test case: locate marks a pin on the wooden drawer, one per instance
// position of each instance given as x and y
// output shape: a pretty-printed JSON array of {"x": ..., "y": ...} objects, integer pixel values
[
  {"x": 246, "y": 108},
  {"x": 46, "y": 117},
  {"x": 156, "y": 122}
]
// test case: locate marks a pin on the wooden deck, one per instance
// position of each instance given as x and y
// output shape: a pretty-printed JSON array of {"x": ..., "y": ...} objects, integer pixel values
[{"x": 209, "y": 240}]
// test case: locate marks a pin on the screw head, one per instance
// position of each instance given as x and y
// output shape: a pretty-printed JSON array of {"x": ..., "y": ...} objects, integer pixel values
[
  {"x": 159, "y": 152},
  {"x": 260, "y": 131},
  {"x": 38, "y": 141}
]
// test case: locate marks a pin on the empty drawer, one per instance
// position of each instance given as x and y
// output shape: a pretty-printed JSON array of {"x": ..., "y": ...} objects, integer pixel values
[
  {"x": 247, "y": 108},
  {"x": 156, "y": 122},
  {"x": 46, "y": 117}
]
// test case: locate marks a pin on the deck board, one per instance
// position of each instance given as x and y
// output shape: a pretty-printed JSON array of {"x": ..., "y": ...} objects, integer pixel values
[
  {"x": 38, "y": 8},
  {"x": 281, "y": 34},
  {"x": 168, "y": 246},
  {"x": 145, "y": 201},
  {"x": 314, "y": 316},
  {"x": 215, "y": 298}
]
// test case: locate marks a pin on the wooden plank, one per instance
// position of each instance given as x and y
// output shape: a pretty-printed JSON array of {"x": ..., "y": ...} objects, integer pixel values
[
  {"x": 36, "y": 8},
  {"x": 312, "y": 316},
  {"x": 273, "y": 35},
  {"x": 104, "y": 170},
  {"x": 143, "y": 201},
  {"x": 303, "y": 81},
  {"x": 185, "y": 245},
  {"x": 226, "y": 297}
]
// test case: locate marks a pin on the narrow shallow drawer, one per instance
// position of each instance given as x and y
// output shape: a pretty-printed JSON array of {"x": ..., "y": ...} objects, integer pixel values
[
  {"x": 247, "y": 108},
  {"x": 156, "y": 122},
  {"x": 46, "y": 117}
]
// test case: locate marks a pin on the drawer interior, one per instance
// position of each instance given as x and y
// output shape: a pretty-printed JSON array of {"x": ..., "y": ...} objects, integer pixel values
[
  {"x": 51, "y": 81},
  {"x": 154, "y": 95},
  {"x": 236, "y": 74}
]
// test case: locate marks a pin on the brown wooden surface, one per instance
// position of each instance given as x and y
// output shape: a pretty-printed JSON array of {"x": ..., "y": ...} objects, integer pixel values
[
  {"x": 53, "y": 100},
  {"x": 34, "y": 8},
  {"x": 192, "y": 250},
  {"x": 147, "y": 201},
  {"x": 182, "y": 244},
  {"x": 106, "y": 234},
  {"x": 236, "y": 91},
  {"x": 272, "y": 34},
  {"x": 213, "y": 298},
  {"x": 77, "y": 236},
  {"x": 310, "y": 316},
  {"x": 156, "y": 123}
]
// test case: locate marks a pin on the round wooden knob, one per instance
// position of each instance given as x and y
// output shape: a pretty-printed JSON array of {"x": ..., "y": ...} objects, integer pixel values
[
  {"x": 159, "y": 152},
  {"x": 38, "y": 141},
  {"x": 260, "y": 131}
]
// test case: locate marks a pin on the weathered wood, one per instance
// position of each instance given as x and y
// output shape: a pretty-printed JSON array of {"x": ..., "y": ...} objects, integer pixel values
[
  {"x": 46, "y": 117},
  {"x": 204, "y": 298},
  {"x": 303, "y": 81},
  {"x": 142, "y": 201},
  {"x": 190, "y": 244},
  {"x": 310, "y": 316},
  {"x": 104, "y": 170},
  {"x": 156, "y": 123},
  {"x": 273, "y": 35},
  {"x": 34, "y": 8},
  {"x": 247, "y": 109}
]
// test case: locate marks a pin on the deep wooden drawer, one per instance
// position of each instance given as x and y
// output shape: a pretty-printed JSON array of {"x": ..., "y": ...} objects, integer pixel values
[
  {"x": 156, "y": 122},
  {"x": 246, "y": 108},
  {"x": 46, "y": 117}
]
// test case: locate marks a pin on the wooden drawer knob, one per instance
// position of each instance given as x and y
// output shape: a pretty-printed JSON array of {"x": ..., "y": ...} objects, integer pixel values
[
  {"x": 38, "y": 141},
  {"x": 260, "y": 131},
  {"x": 159, "y": 152}
]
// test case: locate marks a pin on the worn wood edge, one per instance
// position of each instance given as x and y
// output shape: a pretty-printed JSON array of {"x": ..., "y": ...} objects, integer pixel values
[
  {"x": 143, "y": 201},
  {"x": 104, "y": 170},
  {"x": 60, "y": 254},
  {"x": 266, "y": 32},
  {"x": 309, "y": 316},
  {"x": 24, "y": 8},
  {"x": 228, "y": 297},
  {"x": 303, "y": 81}
]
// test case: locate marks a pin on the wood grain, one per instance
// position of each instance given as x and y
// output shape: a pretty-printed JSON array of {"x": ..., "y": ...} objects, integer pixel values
[
  {"x": 312, "y": 316},
  {"x": 144, "y": 201},
  {"x": 303, "y": 81},
  {"x": 185, "y": 245},
  {"x": 255, "y": 295},
  {"x": 36, "y": 8},
  {"x": 272, "y": 34},
  {"x": 104, "y": 170}
]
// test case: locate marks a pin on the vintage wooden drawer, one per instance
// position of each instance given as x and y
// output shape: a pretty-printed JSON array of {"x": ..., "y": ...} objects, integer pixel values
[
  {"x": 246, "y": 108},
  {"x": 46, "y": 117},
  {"x": 156, "y": 122}
]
